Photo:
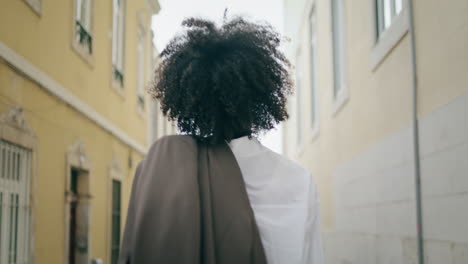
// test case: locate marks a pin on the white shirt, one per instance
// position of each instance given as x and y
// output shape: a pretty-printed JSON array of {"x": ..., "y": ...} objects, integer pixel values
[{"x": 284, "y": 199}]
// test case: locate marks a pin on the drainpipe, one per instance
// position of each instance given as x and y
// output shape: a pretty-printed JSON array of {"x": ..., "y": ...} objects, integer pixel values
[{"x": 417, "y": 160}]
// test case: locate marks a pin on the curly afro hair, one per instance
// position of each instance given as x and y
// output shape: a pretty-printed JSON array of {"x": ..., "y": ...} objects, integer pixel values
[{"x": 220, "y": 83}]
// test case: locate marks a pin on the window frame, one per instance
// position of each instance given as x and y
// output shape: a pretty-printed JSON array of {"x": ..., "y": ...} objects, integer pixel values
[
  {"x": 87, "y": 23},
  {"x": 340, "y": 93},
  {"x": 15, "y": 130},
  {"x": 82, "y": 35},
  {"x": 313, "y": 62},
  {"x": 116, "y": 173},
  {"x": 140, "y": 69},
  {"x": 298, "y": 102},
  {"x": 383, "y": 41},
  {"x": 381, "y": 15},
  {"x": 118, "y": 43},
  {"x": 15, "y": 192},
  {"x": 77, "y": 159}
]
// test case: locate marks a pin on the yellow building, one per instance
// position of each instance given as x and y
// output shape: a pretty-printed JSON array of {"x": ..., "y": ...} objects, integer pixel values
[
  {"x": 352, "y": 125},
  {"x": 74, "y": 123}
]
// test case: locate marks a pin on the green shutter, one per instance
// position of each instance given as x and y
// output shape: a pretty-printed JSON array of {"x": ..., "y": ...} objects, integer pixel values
[{"x": 116, "y": 213}]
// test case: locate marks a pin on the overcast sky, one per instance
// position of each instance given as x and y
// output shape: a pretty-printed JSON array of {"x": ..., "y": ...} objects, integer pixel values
[{"x": 167, "y": 23}]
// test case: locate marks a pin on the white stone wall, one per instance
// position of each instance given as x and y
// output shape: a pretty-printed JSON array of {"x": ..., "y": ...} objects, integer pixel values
[
  {"x": 444, "y": 149},
  {"x": 375, "y": 196}
]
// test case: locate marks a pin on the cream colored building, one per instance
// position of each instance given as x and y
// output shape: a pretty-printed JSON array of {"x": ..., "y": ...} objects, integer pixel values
[
  {"x": 74, "y": 123},
  {"x": 352, "y": 125},
  {"x": 159, "y": 125}
]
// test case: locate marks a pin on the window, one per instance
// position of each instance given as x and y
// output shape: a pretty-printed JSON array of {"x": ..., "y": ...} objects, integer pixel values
[
  {"x": 78, "y": 202},
  {"x": 78, "y": 221},
  {"x": 298, "y": 99},
  {"x": 391, "y": 25},
  {"x": 338, "y": 34},
  {"x": 118, "y": 41},
  {"x": 387, "y": 11},
  {"x": 15, "y": 208},
  {"x": 141, "y": 68},
  {"x": 83, "y": 25},
  {"x": 116, "y": 214},
  {"x": 313, "y": 66}
]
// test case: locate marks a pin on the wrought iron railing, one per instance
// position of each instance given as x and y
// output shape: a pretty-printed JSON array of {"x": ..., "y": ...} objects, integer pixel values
[
  {"x": 118, "y": 76},
  {"x": 141, "y": 101},
  {"x": 84, "y": 37}
]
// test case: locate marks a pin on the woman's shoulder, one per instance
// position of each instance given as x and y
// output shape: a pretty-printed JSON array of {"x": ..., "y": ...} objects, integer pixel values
[
  {"x": 176, "y": 139},
  {"x": 173, "y": 143},
  {"x": 290, "y": 167}
]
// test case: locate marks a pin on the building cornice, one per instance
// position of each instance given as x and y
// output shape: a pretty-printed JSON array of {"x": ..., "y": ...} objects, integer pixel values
[{"x": 57, "y": 90}]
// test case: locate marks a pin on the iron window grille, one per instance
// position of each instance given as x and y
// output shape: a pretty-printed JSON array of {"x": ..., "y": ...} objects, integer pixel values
[{"x": 84, "y": 37}]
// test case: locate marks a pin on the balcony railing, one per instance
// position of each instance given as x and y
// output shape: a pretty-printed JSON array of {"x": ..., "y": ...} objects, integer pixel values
[
  {"x": 118, "y": 76},
  {"x": 141, "y": 101},
  {"x": 84, "y": 37}
]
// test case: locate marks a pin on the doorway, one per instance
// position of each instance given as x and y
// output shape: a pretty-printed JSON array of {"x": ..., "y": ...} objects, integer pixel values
[{"x": 78, "y": 217}]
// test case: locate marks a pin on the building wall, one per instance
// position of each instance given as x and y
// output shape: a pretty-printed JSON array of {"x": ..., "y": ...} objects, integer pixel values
[
  {"x": 57, "y": 127},
  {"x": 362, "y": 154},
  {"x": 45, "y": 40},
  {"x": 159, "y": 124},
  {"x": 68, "y": 100}
]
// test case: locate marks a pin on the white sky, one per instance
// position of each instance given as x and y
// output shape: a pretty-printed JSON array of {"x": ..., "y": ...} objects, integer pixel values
[{"x": 167, "y": 23}]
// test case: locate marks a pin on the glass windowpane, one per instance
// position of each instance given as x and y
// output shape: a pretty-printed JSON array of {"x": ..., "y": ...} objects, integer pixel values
[
  {"x": 83, "y": 12},
  {"x": 78, "y": 10},
  {"x": 88, "y": 15},
  {"x": 114, "y": 34},
  {"x": 387, "y": 13},
  {"x": 338, "y": 45},
  {"x": 398, "y": 6}
]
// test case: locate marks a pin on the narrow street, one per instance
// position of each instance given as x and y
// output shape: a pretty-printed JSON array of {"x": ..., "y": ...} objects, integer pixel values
[{"x": 377, "y": 116}]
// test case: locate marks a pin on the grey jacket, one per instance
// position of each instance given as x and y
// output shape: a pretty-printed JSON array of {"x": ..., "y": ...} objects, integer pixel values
[{"x": 189, "y": 205}]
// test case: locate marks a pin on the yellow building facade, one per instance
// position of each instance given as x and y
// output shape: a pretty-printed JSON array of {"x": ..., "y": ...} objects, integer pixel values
[
  {"x": 75, "y": 121},
  {"x": 352, "y": 125}
]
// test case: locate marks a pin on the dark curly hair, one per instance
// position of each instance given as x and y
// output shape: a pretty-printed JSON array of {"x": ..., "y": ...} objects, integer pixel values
[{"x": 220, "y": 83}]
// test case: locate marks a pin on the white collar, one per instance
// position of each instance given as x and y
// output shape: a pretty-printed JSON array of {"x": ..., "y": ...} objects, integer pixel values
[{"x": 246, "y": 146}]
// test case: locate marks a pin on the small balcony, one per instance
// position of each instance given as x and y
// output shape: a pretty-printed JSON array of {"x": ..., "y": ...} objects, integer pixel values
[
  {"x": 83, "y": 37},
  {"x": 141, "y": 102},
  {"x": 118, "y": 76}
]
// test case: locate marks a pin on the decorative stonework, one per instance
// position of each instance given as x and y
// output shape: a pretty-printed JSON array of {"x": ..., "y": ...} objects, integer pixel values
[
  {"x": 115, "y": 168},
  {"x": 77, "y": 156},
  {"x": 14, "y": 117},
  {"x": 15, "y": 128}
]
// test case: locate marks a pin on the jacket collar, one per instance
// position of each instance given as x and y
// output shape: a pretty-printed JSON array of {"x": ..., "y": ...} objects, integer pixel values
[{"x": 245, "y": 146}]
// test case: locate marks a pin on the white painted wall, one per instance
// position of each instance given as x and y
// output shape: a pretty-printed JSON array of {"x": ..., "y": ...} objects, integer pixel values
[
  {"x": 375, "y": 208},
  {"x": 362, "y": 156}
]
